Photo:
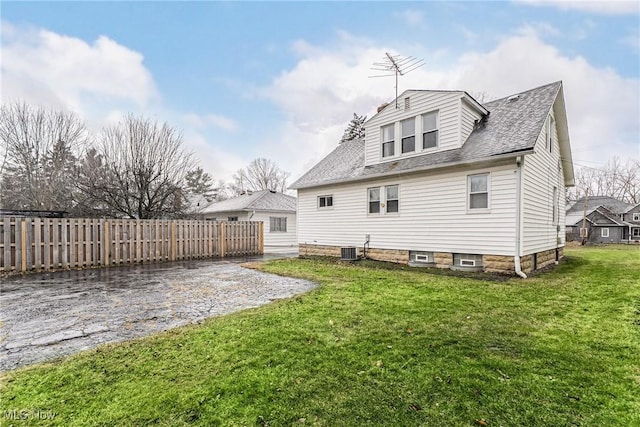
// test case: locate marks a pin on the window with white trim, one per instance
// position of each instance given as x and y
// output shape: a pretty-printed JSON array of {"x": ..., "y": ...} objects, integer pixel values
[
  {"x": 408, "y": 127},
  {"x": 636, "y": 217},
  {"x": 555, "y": 205},
  {"x": 277, "y": 224},
  {"x": 549, "y": 136},
  {"x": 325, "y": 201},
  {"x": 383, "y": 200},
  {"x": 430, "y": 130},
  {"x": 635, "y": 232},
  {"x": 583, "y": 232},
  {"x": 604, "y": 232},
  {"x": 388, "y": 140},
  {"x": 392, "y": 199},
  {"x": 374, "y": 200},
  {"x": 478, "y": 190}
]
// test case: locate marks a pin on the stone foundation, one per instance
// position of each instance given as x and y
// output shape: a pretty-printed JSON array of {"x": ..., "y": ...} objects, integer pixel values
[
  {"x": 443, "y": 259},
  {"x": 319, "y": 250},
  {"x": 498, "y": 264},
  {"x": 389, "y": 255},
  {"x": 492, "y": 263}
]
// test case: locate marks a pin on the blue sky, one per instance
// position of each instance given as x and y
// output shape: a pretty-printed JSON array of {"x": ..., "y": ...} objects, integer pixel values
[{"x": 282, "y": 79}]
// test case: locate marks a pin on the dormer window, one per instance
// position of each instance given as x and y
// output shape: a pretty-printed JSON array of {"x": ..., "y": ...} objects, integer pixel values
[
  {"x": 430, "y": 130},
  {"x": 409, "y": 135},
  {"x": 549, "y": 139},
  {"x": 388, "y": 140}
]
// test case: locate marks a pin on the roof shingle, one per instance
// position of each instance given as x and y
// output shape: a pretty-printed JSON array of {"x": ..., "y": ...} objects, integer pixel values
[
  {"x": 265, "y": 200},
  {"x": 512, "y": 127}
]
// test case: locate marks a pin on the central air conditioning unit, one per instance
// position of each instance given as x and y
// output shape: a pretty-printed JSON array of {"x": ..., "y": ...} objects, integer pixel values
[{"x": 348, "y": 254}]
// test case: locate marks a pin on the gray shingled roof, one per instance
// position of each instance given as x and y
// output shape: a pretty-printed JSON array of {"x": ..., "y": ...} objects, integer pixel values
[
  {"x": 511, "y": 128},
  {"x": 264, "y": 200},
  {"x": 614, "y": 205}
]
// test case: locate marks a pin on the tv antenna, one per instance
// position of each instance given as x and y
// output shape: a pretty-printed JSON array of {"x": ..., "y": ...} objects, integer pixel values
[{"x": 396, "y": 65}]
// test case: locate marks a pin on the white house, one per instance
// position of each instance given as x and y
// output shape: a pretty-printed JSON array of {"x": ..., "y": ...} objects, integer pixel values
[
  {"x": 276, "y": 210},
  {"x": 443, "y": 180}
]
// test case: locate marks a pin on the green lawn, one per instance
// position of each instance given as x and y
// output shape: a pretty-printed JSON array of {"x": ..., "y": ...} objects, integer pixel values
[{"x": 375, "y": 345}]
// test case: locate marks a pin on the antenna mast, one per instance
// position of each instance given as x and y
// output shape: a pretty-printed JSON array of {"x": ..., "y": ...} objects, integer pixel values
[{"x": 395, "y": 65}]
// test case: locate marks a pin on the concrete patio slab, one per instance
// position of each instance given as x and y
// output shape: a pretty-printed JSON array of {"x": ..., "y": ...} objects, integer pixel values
[{"x": 49, "y": 315}]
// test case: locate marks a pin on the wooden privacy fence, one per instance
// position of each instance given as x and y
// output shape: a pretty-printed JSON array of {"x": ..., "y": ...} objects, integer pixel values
[{"x": 37, "y": 244}]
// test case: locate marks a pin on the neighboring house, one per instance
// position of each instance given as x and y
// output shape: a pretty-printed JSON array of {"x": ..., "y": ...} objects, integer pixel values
[
  {"x": 443, "y": 180},
  {"x": 276, "y": 210},
  {"x": 605, "y": 219}
]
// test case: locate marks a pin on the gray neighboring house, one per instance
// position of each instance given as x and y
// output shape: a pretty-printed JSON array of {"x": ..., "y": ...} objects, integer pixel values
[
  {"x": 608, "y": 220},
  {"x": 276, "y": 210}
]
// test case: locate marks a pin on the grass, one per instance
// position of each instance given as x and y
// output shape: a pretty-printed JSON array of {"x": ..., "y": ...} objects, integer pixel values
[{"x": 374, "y": 345}]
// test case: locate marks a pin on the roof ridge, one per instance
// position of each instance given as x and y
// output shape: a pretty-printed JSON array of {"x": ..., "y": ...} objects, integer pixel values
[{"x": 558, "y": 82}]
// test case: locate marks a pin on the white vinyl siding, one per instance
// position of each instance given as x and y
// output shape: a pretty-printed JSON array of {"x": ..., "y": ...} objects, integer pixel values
[
  {"x": 271, "y": 240},
  {"x": 446, "y": 103},
  {"x": 468, "y": 117},
  {"x": 279, "y": 239},
  {"x": 541, "y": 173},
  {"x": 432, "y": 216}
]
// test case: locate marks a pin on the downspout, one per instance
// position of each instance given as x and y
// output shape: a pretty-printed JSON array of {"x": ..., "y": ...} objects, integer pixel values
[{"x": 516, "y": 258}]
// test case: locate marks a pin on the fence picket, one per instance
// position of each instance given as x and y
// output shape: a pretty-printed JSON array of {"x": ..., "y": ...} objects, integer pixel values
[{"x": 29, "y": 244}]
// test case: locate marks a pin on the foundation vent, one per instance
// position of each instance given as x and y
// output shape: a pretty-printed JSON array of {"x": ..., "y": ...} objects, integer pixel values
[{"x": 348, "y": 254}]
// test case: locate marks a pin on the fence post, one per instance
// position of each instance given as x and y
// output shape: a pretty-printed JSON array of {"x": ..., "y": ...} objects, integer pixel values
[
  {"x": 106, "y": 244},
  {"x": 261, "y": 237},
  {"x": 172, "y": 239},
  {"x": 222, "y": 238},
  {"x": 23, "y": 238}
]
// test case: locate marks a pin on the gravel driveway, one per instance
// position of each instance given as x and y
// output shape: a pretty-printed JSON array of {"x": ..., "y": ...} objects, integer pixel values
[{"x": 45, "y": 316}]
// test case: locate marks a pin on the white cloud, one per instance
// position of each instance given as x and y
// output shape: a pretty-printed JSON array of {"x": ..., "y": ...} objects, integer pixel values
[
  {"x": 43, "y": 67},
  {"x": 613, "y": 7},
  {"x": 216, "y": 120},
  {"x": 322, "y": 91},
  {"x": 412, "y": 18},
  {"x": 603, "y": 108}
]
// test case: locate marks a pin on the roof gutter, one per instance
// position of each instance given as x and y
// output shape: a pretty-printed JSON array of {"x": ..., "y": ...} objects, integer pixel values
[{"x": 490, "y": 159}]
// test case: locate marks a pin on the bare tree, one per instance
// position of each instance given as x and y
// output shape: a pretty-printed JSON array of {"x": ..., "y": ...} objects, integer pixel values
[
  {"x": 616, "y": 179},
  {"x": 39, "y": 151},
  {"x": 137, "y": 170},
  {"x": 260, "y": 174}
]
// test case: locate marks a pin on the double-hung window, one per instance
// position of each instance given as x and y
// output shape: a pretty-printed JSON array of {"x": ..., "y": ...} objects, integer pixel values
[
  {"x": 383, "y": 199},
  {"x": 409, "y": 135},
  {"x": 430, "y": 130},
  {"x": 555, "y": 205},
  {"x": 374, "y": 200},
  {"x": 392, "y": 198},
  {"x": 478, "y": 189},
  {"x": 277, "y": 224},
  {"x": 325, "y": 201},
  {"x": 549, "y": 136},
  {"x": 604, "y": 232},
  {"x": 388, "y": 140}
]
